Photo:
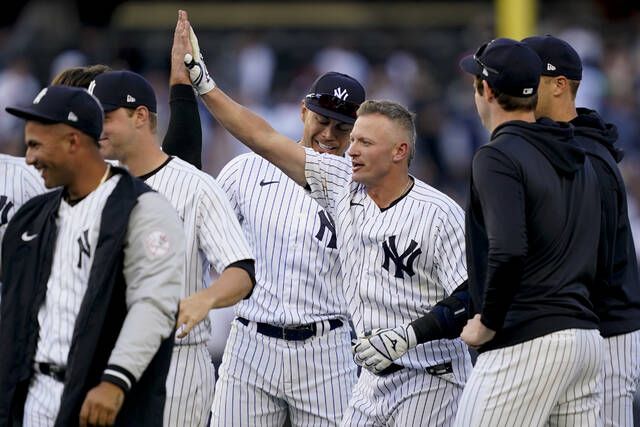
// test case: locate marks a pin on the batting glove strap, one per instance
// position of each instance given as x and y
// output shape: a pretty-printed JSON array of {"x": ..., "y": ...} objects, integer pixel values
[{"x": 119, "y": 376}]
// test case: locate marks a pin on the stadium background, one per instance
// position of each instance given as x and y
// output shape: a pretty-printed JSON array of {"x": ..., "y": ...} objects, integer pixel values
[{"x": 266, "y": 54}]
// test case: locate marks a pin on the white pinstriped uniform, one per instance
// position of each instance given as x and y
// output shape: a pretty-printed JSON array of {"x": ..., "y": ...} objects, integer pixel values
[
  {"x": 397, "y": 264},
  {"x": 299, "y": 281},
  {"x": 503, "y": 390},
  {"x": 78, "y": 228},
  {"x": 621, "y": 378},
  {"x": 214, "y": 239},
  {"x": 18, "y": 183}
]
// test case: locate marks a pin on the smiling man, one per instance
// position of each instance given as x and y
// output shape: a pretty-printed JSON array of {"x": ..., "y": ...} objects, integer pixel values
[{"x": 401, "y": 242}]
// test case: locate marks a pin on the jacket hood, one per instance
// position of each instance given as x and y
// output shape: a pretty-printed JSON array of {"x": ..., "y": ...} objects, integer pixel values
[
  {"x": 554, "y": 140},
  {"x": 589, "y": 124}
]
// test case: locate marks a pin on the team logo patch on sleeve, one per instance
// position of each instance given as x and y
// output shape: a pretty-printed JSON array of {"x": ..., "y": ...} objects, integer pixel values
[{"x": 157, "y": 244}]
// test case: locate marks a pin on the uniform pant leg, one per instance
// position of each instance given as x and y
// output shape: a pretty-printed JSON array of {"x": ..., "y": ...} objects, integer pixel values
[
  {"x": 519, "y": 384},
  {"x": 43, "y": 401},
  {"x": 190, "y": 383},
  {"x": 621, "y": 378},
  {"x": 581, "y": 401},
  {"x": 249, "y": 390},
  {"x": 427, "y": 400},
  {"x": 320, "y": 378}
]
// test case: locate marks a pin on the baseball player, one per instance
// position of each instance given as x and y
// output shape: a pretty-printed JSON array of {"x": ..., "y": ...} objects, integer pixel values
[
  {"x": 289, "y": 347},
  {"x": 83, "y": 267},
  {"x": 617, "y": 297},
  {"x": 401, "y": 246},
  {"x": 532, "y": 239},
  {"x": 214, "y": 237}
]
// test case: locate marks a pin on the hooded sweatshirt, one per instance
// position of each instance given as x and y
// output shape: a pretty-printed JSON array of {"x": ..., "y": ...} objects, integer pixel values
[
  {"x": 533, "y": 223},
  {"x": 616, "y": 297}
]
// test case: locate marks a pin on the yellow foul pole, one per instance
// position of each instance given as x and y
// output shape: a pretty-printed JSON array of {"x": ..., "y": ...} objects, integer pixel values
[{"x": 516, "y": 19}]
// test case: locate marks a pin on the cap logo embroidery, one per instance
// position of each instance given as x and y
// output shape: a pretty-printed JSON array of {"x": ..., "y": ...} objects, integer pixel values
[
  {"x": 550, "y": 67},
  {"x": 72, "y": 117},
  {"x": 40, "y": 95},
  {"x": 91, "y": 87},
  {"x": 527, "y": 91},
  {"x": 130, "y": 98},
  {"x": 340, "y": 93},
  {"x": 485, "y": 72}
]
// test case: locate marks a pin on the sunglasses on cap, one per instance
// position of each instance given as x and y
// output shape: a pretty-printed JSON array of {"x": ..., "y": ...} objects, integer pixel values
[
  {"x": 478, "y": 54},
  {"x": 334, "y": 103}
]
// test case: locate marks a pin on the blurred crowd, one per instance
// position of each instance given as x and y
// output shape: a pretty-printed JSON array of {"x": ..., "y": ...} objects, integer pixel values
[{"x": 270, "y": 72}]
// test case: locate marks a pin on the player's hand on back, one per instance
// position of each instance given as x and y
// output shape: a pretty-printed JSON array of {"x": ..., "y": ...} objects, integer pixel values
[
  {"x": 193, "y": 310},
  {"x": 377, "y": 349},
  {"x": 101, "y": 405}
]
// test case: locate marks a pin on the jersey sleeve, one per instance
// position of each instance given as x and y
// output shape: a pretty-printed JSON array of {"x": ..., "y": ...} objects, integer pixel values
[
  {"x": 153, "y": 269},
  {"x": 33, "y": 183},
  {"x": 498, "y": 183},
  {"x": 219, "y": 232},
  {"x": 327, "y": 176},
  {"x": 228, "y": 178},
  {"x": 451, "y": 258}
]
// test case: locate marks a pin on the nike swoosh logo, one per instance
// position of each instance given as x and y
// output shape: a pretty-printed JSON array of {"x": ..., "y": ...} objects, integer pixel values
[
  {"x": 355, "y": 204},
  {"x": 263, "y": 182},
  {"x": 27, "y": 238}
]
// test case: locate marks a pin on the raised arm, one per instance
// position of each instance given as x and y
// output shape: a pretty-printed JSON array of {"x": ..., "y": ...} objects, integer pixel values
[
  {"x": 184, "y": 135},
  {"x": 249, "y": 128}
]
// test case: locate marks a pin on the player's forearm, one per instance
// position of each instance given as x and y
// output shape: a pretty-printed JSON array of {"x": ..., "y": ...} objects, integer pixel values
[
  {"x": 232, "y": 286},
  {"x": 254, "y": 132},
  {"x": 184, "y": 134},
  {"x": 447, "y": 318}
]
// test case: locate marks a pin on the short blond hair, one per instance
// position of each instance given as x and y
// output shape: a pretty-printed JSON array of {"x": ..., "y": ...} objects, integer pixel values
[{"x": 397, "y": 114}]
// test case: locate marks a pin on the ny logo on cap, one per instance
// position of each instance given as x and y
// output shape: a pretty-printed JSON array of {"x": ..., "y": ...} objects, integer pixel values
[
  {"x": 130, "y": 98},
  {"x": 340, "y": 93},
  {"x": 38, "y": 97},
  {"x": 550, "y": 67}
]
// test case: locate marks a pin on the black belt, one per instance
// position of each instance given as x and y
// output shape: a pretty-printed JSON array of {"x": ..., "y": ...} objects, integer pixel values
[
  {"x": 390, "y": 370},
  {"x": 295, "y": 333},
  {"x": 435, "y": 370},
  {"x": 52, "y": 370}
]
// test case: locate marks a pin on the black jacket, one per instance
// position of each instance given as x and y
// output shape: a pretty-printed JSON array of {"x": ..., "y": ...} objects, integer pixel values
[
  {"x": 533, "y": 222},
  {"x": 26, "y": 267},
  {"x": 616, "y": 298}
]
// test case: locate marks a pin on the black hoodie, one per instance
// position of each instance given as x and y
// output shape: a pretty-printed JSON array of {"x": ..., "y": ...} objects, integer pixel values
[
  {"x": 616, "y": 298},
  {"x": 532, "y": 225}
]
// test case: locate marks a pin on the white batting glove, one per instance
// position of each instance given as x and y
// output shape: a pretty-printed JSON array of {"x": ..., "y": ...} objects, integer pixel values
[
  {"x": 198, "y": 73},
  {"x": 377, "y": 350}
]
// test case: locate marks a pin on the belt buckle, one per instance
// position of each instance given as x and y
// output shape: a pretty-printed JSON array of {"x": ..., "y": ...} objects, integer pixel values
[{"x": 311, "y": 327}]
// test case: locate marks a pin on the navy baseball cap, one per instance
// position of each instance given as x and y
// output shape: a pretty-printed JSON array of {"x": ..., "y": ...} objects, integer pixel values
[
  {"x": 507, "y": 65},
  {"x": 335, "y": 95},
  {"x": 123, "y": 89},
  {"x": 72, "y": 106},
  {"x": 557, "y": 56}
]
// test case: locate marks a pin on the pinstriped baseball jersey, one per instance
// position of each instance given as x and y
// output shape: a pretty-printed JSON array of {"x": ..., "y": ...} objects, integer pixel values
[
  {"x": 78, "y": 228},
  {"x": 397, "y": 262},
  {"x": 213, "y": 235},
  {"x": 18, "y": 183},
  {"x": 298, "y": 271}
]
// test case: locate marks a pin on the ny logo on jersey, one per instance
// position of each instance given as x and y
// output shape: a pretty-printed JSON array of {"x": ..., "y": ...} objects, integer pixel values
[
  {"x": 409, "y": 255},
  {"x": 5, "y": 207},
  {"x": 85, "y": 248},
  {"x": 326, "y": 222}
]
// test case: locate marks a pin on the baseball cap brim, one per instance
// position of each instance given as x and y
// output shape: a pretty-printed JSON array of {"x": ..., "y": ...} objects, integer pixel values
[
  {"x": 107, "y": 107},
  {"x": 329, "y": 113},
  {"x": 30, "y": 114},
  {"x": 470, "y": 65}
]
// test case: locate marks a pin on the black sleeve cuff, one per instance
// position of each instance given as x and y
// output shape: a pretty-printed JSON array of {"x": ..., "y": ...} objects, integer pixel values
[
  {"x": 119, "y": 376},
  {"x": 427, "y": 329},
  {"x": 249, "y": 266},
  {"x": 182, "y": 92}
]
